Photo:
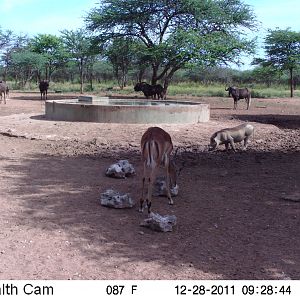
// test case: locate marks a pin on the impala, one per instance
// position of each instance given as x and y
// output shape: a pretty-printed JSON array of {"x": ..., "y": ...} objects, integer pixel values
[{"x": 156, "y": 147}]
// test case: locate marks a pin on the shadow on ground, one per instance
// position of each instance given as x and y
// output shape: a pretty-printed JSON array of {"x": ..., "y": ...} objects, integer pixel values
[
  {"x": 281, "y": 121},
  {"x": 232, "y": 221}
]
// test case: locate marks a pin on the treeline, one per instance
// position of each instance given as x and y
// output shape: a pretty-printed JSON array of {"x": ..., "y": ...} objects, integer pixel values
[
  {"x": 25, "y": 60},
  {"x": 154, "y": 41}
]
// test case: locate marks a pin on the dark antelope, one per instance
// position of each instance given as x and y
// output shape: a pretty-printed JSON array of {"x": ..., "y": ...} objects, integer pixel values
[
  {"x": 150, "y": 90},
  {"x": 43, "y": 86},
  {"x": 238, "y": 94}
]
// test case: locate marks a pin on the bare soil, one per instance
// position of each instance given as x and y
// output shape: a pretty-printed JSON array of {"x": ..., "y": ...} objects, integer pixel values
[{"x": 233, "y": 220}]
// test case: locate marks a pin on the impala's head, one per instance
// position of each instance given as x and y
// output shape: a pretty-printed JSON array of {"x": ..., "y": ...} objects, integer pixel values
[{"x": 175, "y": 167}]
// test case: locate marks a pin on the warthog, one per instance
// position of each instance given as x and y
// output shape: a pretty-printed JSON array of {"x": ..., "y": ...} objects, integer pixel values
[
  {"x": 150, "y": 90},
  {"x": 43, "y": 86},
  {"x": 4, "y": 91},
  {"x": 238, "y": 94},
  {"x": 230, "y": 136}
]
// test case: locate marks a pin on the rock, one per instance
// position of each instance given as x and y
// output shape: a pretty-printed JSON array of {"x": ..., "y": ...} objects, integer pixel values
[
  {"x": 111, "y": 198},
  {"x": 157, "y": 222},
  {"x": 295, "y": 197},
  {"x": 121, "y": 169},
  {"x": 223, "y": 173},
  {"x": 160, "y": 188}
]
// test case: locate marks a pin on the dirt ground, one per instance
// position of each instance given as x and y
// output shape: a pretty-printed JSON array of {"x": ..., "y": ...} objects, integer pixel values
[{"x": 233, "y": 221}]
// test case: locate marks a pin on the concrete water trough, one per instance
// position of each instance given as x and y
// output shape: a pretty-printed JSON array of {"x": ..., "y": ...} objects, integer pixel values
[{"x": 128, "y": 111}]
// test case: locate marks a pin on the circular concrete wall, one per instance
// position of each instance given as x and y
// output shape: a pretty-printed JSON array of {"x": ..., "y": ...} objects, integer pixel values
[{"x": 104, "y": 110}]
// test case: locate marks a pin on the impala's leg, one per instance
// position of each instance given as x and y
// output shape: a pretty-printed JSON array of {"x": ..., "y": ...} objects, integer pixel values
[
  {"x": 167, "y": 162},
  {"x": 171, "y": 202},
  {"x": 143, "y": 188},
  {"x": 150, "y": 186},
  {"x": 142, "y": 197}
]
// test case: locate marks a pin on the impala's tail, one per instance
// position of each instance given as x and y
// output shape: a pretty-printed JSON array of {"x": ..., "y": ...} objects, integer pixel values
[{"x": 151, "y": 153}]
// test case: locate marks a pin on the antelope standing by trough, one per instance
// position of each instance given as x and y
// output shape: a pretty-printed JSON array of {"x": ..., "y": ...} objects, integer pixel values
[
  {"x": 150, "y": 90},
  {"x": 156, "y": 148}
]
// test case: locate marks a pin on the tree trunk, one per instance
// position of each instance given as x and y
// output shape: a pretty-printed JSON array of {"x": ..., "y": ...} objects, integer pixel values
[
  {"x": 291, "y": 82},
  {"x": 91, "y": 81},
  {"x": 81, "y": 76},
  {"x": 141, "y": 74},
  {"x": 168, "y": 79},
  {"x": 154, "y": 74},
  {"x": 46, "y": 72}
]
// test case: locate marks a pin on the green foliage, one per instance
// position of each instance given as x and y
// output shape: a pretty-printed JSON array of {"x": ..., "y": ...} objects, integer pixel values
[
  {"x": 282, "y": 52},
  {"x": 217, "y": 90},
  {"x": 10, "y": 43},
  {"x": 5, "y": 38},
  {"x": 52, "y": 48},
  {"x": 283, "y": 48},
  {"x": 78, "y": 44},
  {"x": 182, "y": 90},
  {"x": 121, "y": 54},
  {"x": 177, "y": 32},
  {"x": 27, "y": 63},
  {"x": 266, "y": 74},
  {"x": 80, "y": 48}
]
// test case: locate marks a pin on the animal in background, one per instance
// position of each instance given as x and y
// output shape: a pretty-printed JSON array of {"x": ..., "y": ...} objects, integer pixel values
[
  {"x": 238, "y": 94},
  {"x": 43, "y": 86},
  {"x": 4, "y": 91},
  {"x": 150, "y": 90},
  {"x": 231, "y": 136}
]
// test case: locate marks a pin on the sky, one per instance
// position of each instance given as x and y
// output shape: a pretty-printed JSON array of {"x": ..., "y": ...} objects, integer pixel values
[{"x": 39, "y": 16}]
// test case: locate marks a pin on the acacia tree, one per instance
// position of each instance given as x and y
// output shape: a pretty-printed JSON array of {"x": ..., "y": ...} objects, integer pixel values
[
  {"x": 265, "y": 74},
  {"x": 25, "y": 64},
  {"x": 80, "y": 48},
  {"x": 9, "y": 44},
  {"x": 5, "y": 41},
  {"x": 121, "y": 53},
  {"x": 282, "y": 47},
  {"x": 52, "y": 48},
  {"x": 176, "y": 32}
]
